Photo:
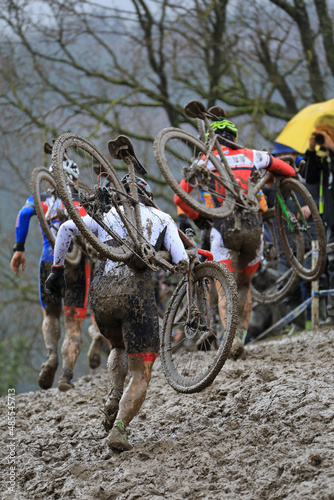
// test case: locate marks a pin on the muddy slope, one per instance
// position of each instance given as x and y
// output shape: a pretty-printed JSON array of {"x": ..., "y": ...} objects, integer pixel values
[{"x": 263, "y": 430}]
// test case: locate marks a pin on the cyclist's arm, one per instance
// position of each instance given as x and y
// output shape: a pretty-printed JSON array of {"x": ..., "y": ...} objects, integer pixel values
[
  {"x": 65, "y": 235},
  {"x": 22, "y": 223},
  {"x": 21, "y": 232},
  {"x": 173, "y": 243},
  {"x": 192, "y": 214},
  {"x": 280, "y": 167},
  {"x": 264, "y": 160}
]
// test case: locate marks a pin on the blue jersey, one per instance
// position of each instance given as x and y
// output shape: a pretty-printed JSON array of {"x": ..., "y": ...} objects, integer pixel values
[
  {"x": 75, "y": 302},
  {"x": 51, "y": 206},
  {"x": 23, "y": 221}
]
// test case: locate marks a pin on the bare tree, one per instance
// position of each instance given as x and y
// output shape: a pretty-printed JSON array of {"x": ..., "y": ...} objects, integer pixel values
[{"x": 103, "y": 68}]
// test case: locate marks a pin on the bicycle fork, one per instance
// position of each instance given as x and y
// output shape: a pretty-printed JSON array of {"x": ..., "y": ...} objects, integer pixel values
[
  {"x": 290, "y": 218},
  {"x": 196, "y": 322}
]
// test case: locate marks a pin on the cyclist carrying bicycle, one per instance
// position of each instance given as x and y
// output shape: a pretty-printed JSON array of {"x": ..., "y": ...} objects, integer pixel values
[
  {"x": 122, "y": 298},
  {"x": 237, "y": 240},
  {"x": 75, "y": 300}
]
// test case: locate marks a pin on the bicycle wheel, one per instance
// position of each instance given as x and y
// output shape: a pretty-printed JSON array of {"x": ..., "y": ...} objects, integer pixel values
[
  {"x": 295, "y": 231},
  {"x": 181, "y": 155},
  {"x": 50, "y": 210},
  {"x": 274, "y": 278},
  {"x": 195, "y": 346},
  {"x": 94, "y": 170}
]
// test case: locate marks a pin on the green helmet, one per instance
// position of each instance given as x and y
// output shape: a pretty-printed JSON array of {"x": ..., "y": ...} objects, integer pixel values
[{"x": 225, "y": 128}]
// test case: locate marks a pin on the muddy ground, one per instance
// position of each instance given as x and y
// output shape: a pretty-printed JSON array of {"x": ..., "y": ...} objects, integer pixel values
[{"x": 263, "y": 430}]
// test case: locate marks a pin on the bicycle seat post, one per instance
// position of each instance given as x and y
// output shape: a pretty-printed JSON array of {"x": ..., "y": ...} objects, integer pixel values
[
  {"x": 235, "y": 187},
  {"x": 134, "y": 194}
]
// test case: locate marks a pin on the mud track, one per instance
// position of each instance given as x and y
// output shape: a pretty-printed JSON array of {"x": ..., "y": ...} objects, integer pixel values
[{"x": 263, "y": 430}]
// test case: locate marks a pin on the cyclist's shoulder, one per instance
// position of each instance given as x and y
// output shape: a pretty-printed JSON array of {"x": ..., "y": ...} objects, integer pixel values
[
  {"x": 30, "y": 200},
  {"x": 256, "y": 156},
  {"x": 159, "y": 214},
  {"x": 29, "y": 204},
  {"x": 228, "y": 151}
]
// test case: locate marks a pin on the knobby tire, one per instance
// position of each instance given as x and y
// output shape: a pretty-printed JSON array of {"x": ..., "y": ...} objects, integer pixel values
[
  {"x": 92, "y": 159},
  {"x": 180, "y": 377},
  {"x": 190, "y": 144},
  {"x": 39, "y": 174},
  {"x": 292, "y": 189}
]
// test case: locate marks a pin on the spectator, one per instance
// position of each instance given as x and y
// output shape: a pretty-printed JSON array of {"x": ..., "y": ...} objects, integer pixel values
[{"x": 319, "y": 173}]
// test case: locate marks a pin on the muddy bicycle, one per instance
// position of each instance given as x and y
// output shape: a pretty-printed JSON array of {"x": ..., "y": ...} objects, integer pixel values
[
  {"x": 208, "y": 288},
  {"x": 180, "y": 154},
  {"x": 51, "y": 212}
]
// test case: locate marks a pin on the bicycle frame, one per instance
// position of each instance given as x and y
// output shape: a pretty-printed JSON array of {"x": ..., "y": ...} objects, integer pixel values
[{"x": 193, "y": 311}]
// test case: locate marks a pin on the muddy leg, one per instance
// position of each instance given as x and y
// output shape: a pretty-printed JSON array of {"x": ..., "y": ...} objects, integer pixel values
[
  {"x": 70, "y": 351},
  {"x": 237, "y": 348},
  {"x": 245, "y": 310},
  {"x": 221, "y": 302},
  {"x": 51, "y": 330},
  {"x": 245, "y": 300},
  {"x": 94, "y": 352},
  {"x": 131, "y": 402},
  {"x": 117, "y": 370},
  {"x": 51, "y": 334}
]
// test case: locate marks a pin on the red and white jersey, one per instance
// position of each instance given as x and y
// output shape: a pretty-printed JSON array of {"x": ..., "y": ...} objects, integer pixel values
[{"x": 242, "y": 162}]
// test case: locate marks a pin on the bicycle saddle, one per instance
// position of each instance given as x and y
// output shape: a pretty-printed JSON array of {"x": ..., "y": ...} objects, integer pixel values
[
  {"x": 195, "y": 109},
  {"x": 217, "y": 112},
  {"x": 47, "y": 148},
  {"x": 121, "y": 148}
]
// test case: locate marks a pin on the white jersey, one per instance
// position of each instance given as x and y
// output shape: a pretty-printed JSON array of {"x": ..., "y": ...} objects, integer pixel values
[{"x": 154, "y": 223}]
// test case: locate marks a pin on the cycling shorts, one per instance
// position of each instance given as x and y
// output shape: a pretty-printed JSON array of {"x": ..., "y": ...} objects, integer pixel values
[
  {"x": 77, "y": 288},
  {"x": 242, "y": 250},
  {"x": 125, "y": 310}
]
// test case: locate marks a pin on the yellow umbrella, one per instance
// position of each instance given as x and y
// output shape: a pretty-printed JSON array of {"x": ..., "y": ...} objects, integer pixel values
[{"x": 297, "y": 131}]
